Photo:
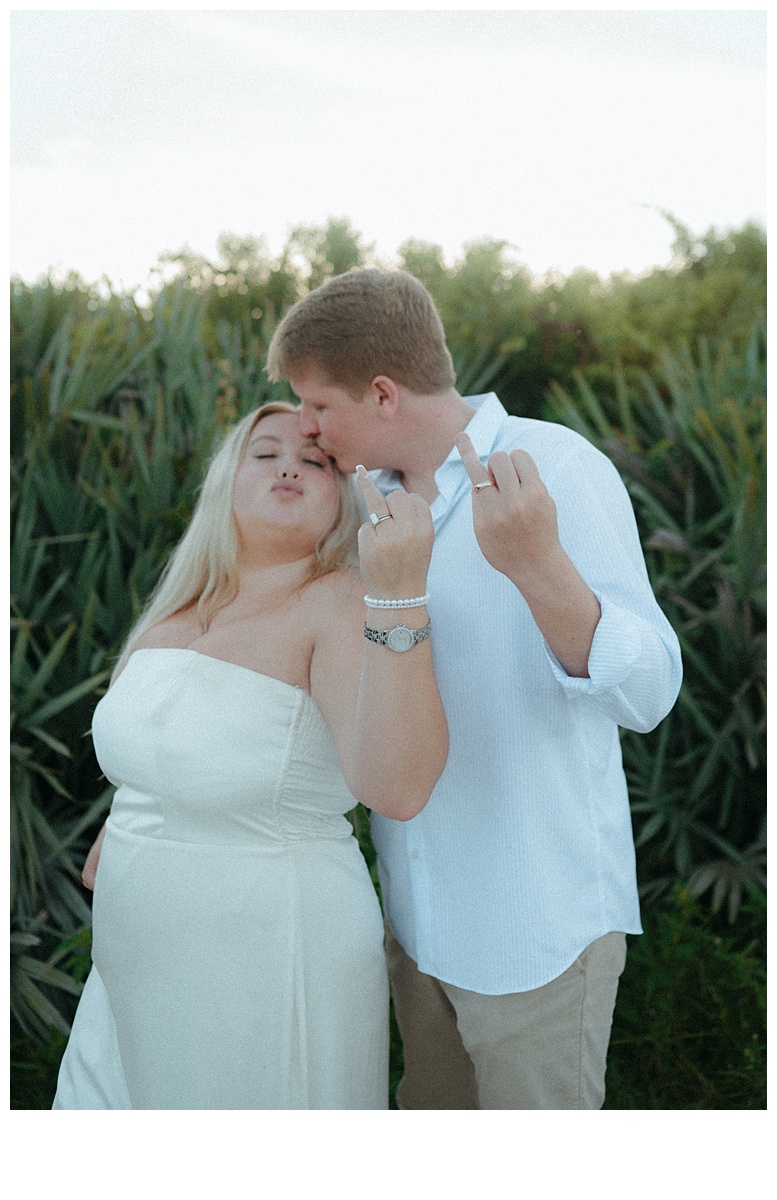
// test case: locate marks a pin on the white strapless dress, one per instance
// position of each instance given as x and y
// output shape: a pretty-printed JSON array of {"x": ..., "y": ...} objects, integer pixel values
[{"x": 238, "y": 955}]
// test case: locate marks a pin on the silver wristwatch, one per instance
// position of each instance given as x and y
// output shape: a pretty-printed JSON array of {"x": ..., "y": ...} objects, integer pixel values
[{"x": 399, "y": 638}]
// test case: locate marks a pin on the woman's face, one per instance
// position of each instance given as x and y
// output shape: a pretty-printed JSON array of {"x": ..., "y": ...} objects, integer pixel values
[{"x": 285, "y": 484}]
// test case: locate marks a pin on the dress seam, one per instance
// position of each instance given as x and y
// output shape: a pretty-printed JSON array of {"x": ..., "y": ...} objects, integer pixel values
[{"x": 293, "y": 729}]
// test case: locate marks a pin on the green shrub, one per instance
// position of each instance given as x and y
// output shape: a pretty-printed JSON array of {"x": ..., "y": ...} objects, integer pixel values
[
  {"x": 690, "y": 1019},
  {"x": 541, "y": 332},
  {"x": 522, "y": 332},
  {"x": 114, "y": 426},
  {"x": 34, "y": 1068},
  {"x": 691, "y": 446}
]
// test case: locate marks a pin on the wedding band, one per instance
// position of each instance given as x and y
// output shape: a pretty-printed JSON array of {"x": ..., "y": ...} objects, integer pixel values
[
  {"x": 376, "y": 520},
  {"x": 485, "y": 483}
]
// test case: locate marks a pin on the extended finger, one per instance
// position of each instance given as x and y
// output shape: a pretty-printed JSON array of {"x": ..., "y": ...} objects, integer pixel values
[
  {"x": 420, "y": 507},
  {"x": 372, "y": 497},
  {"x": 472, "y": 464},
  {"x": 525, "y": 467},
  {"x": 503, "y": 470}
]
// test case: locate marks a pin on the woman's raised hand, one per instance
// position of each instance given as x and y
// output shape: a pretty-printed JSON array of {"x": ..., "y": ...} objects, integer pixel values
[{"x": 395, "y": 544}]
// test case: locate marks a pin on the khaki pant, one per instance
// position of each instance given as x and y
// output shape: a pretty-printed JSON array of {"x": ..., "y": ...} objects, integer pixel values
[{"x": 543, "y": 1049}]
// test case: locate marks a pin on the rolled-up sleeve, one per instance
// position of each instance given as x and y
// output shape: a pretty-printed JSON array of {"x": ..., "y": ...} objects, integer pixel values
[{"x": 635, "y": 665}]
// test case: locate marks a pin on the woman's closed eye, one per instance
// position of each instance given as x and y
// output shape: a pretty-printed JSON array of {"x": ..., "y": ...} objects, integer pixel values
[{"x": 313, "y": 462}]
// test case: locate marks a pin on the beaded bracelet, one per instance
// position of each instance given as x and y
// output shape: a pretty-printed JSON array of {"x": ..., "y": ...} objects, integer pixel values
[{"x": 415, "y": 602}]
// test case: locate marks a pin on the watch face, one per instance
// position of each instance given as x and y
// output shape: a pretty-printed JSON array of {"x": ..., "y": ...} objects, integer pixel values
[{"x": 400, "y": 638}]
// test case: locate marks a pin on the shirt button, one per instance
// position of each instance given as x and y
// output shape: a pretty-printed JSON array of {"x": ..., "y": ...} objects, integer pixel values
[{"x": 415, "y": 853}]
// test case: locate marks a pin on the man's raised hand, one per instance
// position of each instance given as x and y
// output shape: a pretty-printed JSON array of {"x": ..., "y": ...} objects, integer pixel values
[{"x": 513, "y": 513}]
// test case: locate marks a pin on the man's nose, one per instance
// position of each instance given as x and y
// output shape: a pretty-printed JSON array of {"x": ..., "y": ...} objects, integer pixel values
[{"x": 307, "y": 422}]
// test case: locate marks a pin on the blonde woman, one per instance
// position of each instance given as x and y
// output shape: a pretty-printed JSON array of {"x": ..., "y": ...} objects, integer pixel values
[{"x": 238, "y": 943}]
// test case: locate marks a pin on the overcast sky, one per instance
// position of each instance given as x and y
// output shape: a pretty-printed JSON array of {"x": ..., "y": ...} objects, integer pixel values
[{"x": 134, "y": 132}]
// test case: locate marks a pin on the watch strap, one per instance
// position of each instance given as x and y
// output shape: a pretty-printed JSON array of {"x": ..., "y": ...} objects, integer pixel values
[{"x": 399, "y": 638}]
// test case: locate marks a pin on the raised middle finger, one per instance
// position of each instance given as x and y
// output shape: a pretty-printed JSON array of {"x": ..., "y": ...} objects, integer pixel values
[
  {"x": 377, "y": 506},
  {"x": 503, "y": 471}
]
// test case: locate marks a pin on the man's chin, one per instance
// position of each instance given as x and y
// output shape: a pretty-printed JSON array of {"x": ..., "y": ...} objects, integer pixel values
[{"x": 344, "y": 465}]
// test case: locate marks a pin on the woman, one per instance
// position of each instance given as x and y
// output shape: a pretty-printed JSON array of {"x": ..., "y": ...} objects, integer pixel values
[{"x": 238, "y": 944}]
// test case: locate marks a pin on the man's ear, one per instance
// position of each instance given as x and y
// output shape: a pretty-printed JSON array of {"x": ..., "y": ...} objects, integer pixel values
[{"x": 385, "y": 394}]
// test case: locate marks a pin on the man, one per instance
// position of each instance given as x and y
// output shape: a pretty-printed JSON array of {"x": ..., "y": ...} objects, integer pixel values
[{"x": 508, "y": 898}]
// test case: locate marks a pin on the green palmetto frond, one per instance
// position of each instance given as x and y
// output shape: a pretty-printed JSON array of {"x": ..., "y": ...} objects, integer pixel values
[
  {"x": 116, "y": 417},
  {"x": 691, "y": 445}
]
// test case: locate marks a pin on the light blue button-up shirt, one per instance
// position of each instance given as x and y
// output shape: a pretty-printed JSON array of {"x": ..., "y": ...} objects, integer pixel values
[{"x": 524, "y": 853}]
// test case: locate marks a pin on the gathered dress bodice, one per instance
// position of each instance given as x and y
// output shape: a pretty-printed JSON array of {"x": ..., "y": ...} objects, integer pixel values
[{"x": 214, "y": 752}]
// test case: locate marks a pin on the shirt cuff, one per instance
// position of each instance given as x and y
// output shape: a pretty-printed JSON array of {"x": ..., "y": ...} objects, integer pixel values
[{"x": 616, "y": 647}]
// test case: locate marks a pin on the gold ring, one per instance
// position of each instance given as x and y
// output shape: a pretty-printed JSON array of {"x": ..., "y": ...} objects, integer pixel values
[{"x": 485, "y": 483}]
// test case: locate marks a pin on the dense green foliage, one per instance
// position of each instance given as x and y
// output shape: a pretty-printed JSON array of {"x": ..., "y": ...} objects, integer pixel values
[
  {"x": 506, "y": 328},
  {"x": 115, "y": 415},
  {"x": 690, "y": 441},
  {"x": 115, "y": 409},
  {"x": 690, "y": 1020}
]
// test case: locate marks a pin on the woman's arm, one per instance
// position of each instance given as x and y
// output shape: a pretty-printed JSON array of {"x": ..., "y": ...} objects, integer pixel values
[
  {"x": 383, "y": 706},
  {"x": 89, "y": 873}
]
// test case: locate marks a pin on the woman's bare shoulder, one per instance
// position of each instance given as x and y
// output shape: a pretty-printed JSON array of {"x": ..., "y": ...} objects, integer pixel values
[
  {"x": 174, "y": 633},
  {"x": 338, "y": 590}
]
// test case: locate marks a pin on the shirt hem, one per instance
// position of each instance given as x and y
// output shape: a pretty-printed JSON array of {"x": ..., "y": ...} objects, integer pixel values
[{"x": 626, "y": 927}]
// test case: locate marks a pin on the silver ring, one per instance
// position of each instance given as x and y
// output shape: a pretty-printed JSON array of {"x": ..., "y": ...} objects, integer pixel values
[
  {"x": 376, "y": 520},
  {"x": 485, "y": 483}
]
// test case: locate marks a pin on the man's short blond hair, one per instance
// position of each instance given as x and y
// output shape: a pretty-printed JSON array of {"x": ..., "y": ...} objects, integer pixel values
[{"x": 362, "y": 324}]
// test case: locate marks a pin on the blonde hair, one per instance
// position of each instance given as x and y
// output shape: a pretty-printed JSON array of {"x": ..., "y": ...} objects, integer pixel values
[
  {"x": 362, "y": 324},
  {"x": 203, "y": 566}
]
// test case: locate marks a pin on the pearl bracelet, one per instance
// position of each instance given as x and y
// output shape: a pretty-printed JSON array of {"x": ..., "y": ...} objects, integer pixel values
[{"x": 415, "y": 602}]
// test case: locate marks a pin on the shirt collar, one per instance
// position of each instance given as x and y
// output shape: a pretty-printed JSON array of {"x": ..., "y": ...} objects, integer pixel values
[{"x": 483, "y": 430}]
